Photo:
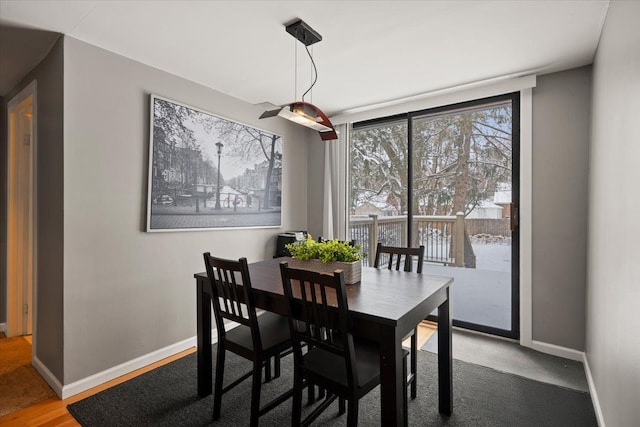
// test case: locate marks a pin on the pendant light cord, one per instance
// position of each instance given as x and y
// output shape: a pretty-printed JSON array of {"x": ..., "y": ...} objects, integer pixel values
[{"x": 315, "y": 72}]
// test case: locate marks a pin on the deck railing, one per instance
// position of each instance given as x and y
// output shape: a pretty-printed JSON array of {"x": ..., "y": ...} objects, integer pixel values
[{"x": 442, "y": 236}]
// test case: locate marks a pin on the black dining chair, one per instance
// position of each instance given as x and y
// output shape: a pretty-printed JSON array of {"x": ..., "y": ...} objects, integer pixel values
[
  {"x": 394, "y": 258},
  {"x": 256, "y": 338},
  {"x": 345, "y": 367}
]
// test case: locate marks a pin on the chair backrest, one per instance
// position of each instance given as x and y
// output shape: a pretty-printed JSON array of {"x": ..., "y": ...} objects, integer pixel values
[
  {"x": 318, "y": 314},
  {"x": 231, "y": 295},
  {"x": 396, "y": 255}
]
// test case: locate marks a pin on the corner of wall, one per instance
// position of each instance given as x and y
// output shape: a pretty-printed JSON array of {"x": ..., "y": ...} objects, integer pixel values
[{"x": 595, "y": 400}]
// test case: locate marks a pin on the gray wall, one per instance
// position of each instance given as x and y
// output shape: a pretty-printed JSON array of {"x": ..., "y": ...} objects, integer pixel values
[
  {"x": 613, "y": 273},
  {"x": 316, "y": 187},
  {"x": 561, "y": 109},
  {"x": 49, "y": 215},
  {"x": 128, "y": 292}
]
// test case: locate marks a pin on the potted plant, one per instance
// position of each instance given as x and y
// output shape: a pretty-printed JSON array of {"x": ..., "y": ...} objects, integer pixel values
[{"x": 327, "y": 256}]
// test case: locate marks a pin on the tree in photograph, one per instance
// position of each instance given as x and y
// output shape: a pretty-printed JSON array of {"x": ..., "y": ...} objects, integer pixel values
[
  {"x": 244, "y": 142},
  {"x": 183, "y": 152},
  {"x": 179, "y": 161}
]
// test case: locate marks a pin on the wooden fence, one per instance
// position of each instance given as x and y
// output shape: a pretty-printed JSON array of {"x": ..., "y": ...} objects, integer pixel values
[{"x": 494, "y": 227}]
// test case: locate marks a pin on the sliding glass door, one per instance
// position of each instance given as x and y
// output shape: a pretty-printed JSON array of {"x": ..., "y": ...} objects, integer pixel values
[{"x": 447, "y": 178}]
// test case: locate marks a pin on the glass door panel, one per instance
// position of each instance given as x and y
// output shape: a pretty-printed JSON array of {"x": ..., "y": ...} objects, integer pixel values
[
  {"x": 461, "y": 207},
  {"x": 379, "y": 182}
]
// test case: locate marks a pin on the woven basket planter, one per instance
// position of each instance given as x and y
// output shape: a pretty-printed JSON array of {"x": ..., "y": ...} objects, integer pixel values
[{"x": 352, "y": 270}]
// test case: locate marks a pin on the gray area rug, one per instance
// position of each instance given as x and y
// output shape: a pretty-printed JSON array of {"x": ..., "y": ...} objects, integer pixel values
[{"x": 167, "y": 396}]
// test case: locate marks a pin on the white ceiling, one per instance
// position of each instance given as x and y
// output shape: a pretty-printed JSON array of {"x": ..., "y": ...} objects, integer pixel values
[{"x": 371, "y": 52}]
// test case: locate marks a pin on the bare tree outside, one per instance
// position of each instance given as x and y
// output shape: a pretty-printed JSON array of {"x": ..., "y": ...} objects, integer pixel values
[
  {"x": 209, "y": 172},
  {"x": 459, "y": 161}
]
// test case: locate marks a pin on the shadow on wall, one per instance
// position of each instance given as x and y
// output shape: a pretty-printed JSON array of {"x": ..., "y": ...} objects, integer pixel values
[{"x": 21, "y": 50}]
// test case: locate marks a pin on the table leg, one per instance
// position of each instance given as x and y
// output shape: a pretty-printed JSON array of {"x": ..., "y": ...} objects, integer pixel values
[
  {"x": 445, "y": 368},
  {"x": 203, "y": 309},
  {"x": 391, "y": 380}
]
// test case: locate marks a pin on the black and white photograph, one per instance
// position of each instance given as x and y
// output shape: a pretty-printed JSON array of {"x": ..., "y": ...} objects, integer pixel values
[{"x": 208, "y": 172}]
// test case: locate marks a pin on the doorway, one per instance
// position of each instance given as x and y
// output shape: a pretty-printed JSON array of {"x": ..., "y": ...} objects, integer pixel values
[{"x": 20, "y": 212}]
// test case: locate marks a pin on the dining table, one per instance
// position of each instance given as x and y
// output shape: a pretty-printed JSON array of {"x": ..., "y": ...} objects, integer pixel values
[{"x": 384, "y": 307}]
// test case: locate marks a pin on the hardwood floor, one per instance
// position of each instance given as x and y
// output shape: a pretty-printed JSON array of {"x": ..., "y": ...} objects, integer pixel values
[
  {"x": 53, "y": 412},
  {"x": 425, "y": 330}
]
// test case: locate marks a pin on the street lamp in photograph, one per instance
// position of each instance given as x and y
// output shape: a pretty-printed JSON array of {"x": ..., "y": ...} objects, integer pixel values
[{"x": 219, "y": 145}]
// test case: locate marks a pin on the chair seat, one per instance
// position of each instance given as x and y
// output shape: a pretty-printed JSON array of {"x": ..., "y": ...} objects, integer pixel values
[
  {"x": 331, "y": 366},
  {"x": 274, "y": 332}
]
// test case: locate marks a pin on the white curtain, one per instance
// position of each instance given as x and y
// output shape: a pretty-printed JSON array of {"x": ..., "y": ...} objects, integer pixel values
[{"x": 334, "y": 224}]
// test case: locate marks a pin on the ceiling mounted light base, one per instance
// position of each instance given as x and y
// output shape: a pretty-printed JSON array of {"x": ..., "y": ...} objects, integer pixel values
[{"x": 303, "y": 32}]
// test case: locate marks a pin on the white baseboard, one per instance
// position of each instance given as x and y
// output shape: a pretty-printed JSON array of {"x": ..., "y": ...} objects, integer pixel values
[
  {"x": 117, "y": 371},
  {"x": 556, "y": 350},
  {"x": 3, "y": 327},
  {"x": 51, "y": 379},
  {"x": 125, "y": 368},
  {"x": 592, "y": 392}
]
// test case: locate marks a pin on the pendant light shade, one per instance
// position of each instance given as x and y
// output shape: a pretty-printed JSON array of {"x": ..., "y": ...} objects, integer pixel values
[{"x": 305, "y": 114}]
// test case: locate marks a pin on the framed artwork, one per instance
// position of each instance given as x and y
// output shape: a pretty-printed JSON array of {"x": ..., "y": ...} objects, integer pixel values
[{"x": 207, "y": 172}]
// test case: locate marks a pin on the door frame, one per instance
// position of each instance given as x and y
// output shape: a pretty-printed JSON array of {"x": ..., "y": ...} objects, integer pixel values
[{"x": 15, "y": 322}]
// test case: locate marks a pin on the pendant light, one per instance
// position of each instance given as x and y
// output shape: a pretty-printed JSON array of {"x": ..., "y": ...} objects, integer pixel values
[{"x": 301, "y": 112}]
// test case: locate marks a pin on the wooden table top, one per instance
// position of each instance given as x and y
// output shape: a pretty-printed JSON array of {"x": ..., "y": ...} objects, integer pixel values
[{"x": 387, "y": 295}]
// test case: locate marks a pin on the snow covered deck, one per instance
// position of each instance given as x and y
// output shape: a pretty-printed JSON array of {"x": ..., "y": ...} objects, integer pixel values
[{"x": 481, "y": 295}]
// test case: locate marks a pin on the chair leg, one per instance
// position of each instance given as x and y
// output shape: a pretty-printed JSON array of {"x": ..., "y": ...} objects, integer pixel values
[
  {"x": 352, "y": 413},
  {"x": 267, "y": 370},
  {"x": 217, "y": 392},
  {"x": 296, "y": 410},
  {"x": 311, "y": 394},
  {"x": 341, "y": 406},
  {"x": 255, "y": 393},
  {"x": 276, "y": 366},
  {"x": 414, "y": 364}
]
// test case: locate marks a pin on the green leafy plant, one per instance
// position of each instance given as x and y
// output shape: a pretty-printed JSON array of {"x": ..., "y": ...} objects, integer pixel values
[{"x": 326, "y": 251}]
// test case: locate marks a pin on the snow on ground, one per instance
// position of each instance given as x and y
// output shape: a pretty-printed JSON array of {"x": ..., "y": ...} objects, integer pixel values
[{"x": 492, "y": 256}]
